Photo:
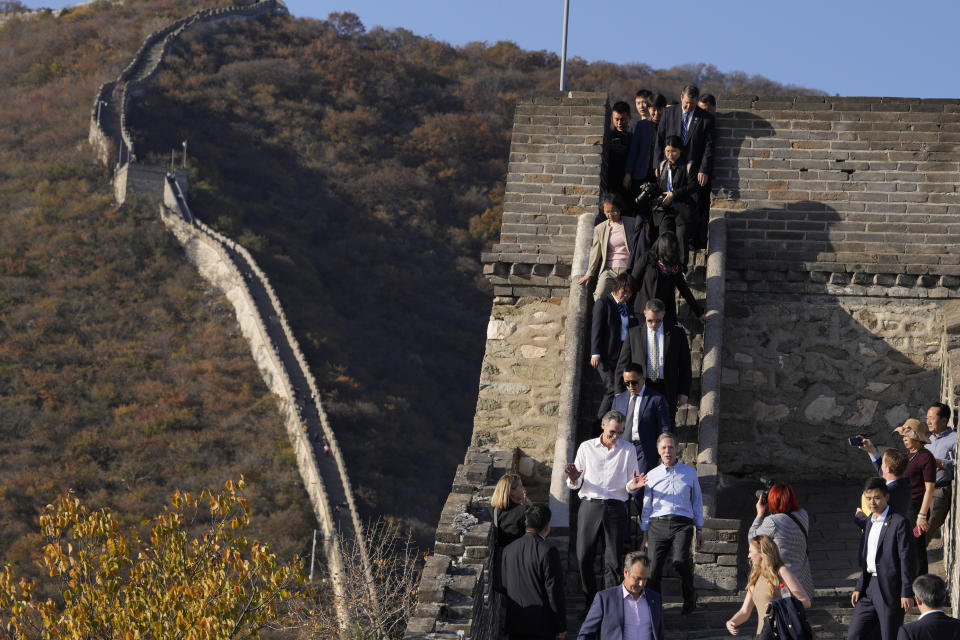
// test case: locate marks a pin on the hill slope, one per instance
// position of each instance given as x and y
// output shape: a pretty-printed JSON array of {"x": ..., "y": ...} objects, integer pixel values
[
  {"x": 121, "y": 375},
  {"x": 365, "y": 170}
]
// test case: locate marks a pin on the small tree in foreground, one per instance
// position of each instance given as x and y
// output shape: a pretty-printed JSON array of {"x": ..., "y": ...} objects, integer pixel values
[{"x": 214, "y": 586}]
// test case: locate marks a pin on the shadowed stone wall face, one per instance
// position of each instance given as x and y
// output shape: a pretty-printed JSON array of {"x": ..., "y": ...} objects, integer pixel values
[
  {"x": 950, "y": 394},
  {"x": 842, "y": 217},
  {"x": 802, "y": 375},
  {"x": 518, "y": 401}
]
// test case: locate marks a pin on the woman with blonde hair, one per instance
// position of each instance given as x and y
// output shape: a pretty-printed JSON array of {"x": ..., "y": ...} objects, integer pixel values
[
  {"x": 769, "y": 580},
  {"x": 509, "y": 502}
]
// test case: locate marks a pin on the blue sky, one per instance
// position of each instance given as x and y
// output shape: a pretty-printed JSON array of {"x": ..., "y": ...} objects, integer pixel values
[{"x": 845, "y": 47}]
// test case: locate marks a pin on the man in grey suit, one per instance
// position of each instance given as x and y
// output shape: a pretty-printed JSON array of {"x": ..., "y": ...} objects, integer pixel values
[
  {"x": 930, "y": 592},
  {"x": 533, "y": 581},
  {"x": 627, "y": 611}
]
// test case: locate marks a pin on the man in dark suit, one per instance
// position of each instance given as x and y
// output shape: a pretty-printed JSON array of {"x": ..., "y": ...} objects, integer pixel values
[
  {"x": 533, "y": 581},
  {"x": 883, "y": 594},
  {"x": 930, "y": 592},
  {"x": 647, "y": 417},
  {"x": 611, "y": 319},
  {"x": 891, "y": 466},
  {"x": 627, "y": 610},
  {"x": 695, "y": 127},
  {"x": 664, "y": 353}
]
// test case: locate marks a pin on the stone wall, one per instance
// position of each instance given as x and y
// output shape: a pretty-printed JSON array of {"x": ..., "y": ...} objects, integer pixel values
[
  {"x": 803, "y": 373},
  {"x": 553, "y": 177},
  {"x": 454, "y": 599},
  {"x": 857, "y": 191},
  {"x": 518, "y": 401},
  {"x": 950, "y": 394}
]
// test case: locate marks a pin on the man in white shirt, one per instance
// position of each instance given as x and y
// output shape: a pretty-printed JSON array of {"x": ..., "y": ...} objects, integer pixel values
[
  {"x": 672, "y": 508},
  {"x": 627, "y": 611},
  {"x": 605, "y": 471}
]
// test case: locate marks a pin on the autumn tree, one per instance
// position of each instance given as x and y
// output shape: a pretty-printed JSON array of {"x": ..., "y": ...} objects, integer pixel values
[{"x": 214, "y": 585}]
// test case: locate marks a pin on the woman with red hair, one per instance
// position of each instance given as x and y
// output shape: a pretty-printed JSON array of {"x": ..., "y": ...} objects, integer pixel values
[{"x": 789, "y": 526}]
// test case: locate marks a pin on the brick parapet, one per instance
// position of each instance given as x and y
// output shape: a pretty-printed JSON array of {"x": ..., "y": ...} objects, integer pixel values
[
  {"x": 857, "y": 186},
  {"x": 950, "y": 394},
  {"x": 556, "y": 155},
  {"x": 454, "y": 599}
]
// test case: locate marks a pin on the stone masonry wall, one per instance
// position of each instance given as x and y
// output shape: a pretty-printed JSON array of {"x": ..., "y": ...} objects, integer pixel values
[
  {"x": 859, "y": 191},
  {"x": 803, "y": 373},
  {"x": 518, "y": 401},
  {"x": 950, "y": 394},
  {"x": 553, "y": 177}
]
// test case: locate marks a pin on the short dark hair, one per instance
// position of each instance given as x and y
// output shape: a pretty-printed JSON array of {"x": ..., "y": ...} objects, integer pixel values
[
  {"x": 635, "y": 367},
  {"x": 659, "y": 101},
  {"x": 896, "y": 461},
  {"x": 673, "y": 141},
  {"x": 611, "y": 416},
  {"x": 621, "y": 107},
  {"x": 634, "y": 557},
  {"x": 931, "y": 590},
  {"x": 656, "y": 305},
  {"x": 691, "y": 91},
  {"x": 644, "y": 93},
  {"x": 876, "y": 483},
  {"x": 538, "y": 516},
  {"x": 614, "y": 198},
  {"x": 942, "y": 410},
  {"x": 708, "y": 98}
]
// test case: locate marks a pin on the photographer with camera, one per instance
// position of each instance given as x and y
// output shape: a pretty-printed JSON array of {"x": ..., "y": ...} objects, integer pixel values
[
  {"x": 788, "y": 525},
  {"x": 658, "y": 275}
]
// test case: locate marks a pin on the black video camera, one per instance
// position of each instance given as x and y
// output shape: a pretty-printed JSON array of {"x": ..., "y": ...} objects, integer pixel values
[{"x": 650, "y": 195}]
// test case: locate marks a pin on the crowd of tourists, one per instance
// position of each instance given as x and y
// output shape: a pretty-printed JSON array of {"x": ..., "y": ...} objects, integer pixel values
[{"x": 655, "y": 209}]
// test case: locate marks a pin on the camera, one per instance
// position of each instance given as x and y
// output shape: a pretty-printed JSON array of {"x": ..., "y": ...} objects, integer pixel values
[
  {"x": 856, "y": 441},
  {"x": 649, "y": 195},
  {"x": 761, "y": 494}
]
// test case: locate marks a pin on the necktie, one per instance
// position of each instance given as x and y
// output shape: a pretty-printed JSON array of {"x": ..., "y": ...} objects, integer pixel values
[
  {"x": 624, "y": 320},
  {"x": 630, "y": 411},
  {"x": 684, "y": 123},
  {"x": 653, "y": 367}
]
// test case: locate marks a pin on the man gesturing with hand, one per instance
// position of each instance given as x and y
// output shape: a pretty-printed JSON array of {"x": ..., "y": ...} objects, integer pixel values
[{"x": 606, "y": 473}]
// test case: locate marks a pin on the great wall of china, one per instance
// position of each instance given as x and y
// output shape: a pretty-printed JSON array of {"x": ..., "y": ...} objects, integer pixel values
[
  {"x": 230, "y": 267},
  {"x": 831, "y": 283}
]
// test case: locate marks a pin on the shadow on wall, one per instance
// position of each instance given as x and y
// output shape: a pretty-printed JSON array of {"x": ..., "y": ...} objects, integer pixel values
[
  {"x": 730, "y": 143},
  {"x": 807, "y": 364}
]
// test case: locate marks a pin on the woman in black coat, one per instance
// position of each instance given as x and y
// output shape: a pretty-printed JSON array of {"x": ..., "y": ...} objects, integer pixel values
[
  {"x": 678, "y": 183},
  {"x": 659, "y": 274}
]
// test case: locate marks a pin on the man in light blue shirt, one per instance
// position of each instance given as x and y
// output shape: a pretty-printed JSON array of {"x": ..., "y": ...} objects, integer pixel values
[
  {"x": 943, "y": 446},
  {"x": 672, "y": 509}
]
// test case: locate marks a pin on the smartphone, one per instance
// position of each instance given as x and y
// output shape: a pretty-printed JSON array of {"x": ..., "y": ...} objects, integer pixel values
[
  {"x": 856, "y": 441},
  {"x": 916, "y": 532}
]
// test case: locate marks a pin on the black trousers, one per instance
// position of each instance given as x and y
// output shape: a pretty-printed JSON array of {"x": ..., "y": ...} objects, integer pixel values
[
  {"x": 669, "y": 538},
  {"x": 607, "y": 518},
  {"x": 873, "y": 617},
  {"x": 608, "y": 378},
  {"x": 919, "y": 544}
]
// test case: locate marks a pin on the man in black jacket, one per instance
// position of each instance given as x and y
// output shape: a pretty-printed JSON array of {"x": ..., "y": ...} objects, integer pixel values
[
  {"x": 930, "y": 592},
  {"x": 883, "y": 594},
  {"x": 663, "y": 352},
  {"x": 611, "y": 320},
  {"x": 533, "y": 581}
]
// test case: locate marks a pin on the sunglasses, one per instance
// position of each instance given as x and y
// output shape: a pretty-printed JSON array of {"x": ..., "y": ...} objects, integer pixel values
[{"x": 631, "y": 383}]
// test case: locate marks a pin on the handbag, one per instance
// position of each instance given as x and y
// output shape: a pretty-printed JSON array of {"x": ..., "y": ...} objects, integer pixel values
[{"x": 786, "y": 620}]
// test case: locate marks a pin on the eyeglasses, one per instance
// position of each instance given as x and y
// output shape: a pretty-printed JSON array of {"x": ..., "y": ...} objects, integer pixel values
[
  {"x": 631, "y": 383},
  {"x": 654, "y": 322}
]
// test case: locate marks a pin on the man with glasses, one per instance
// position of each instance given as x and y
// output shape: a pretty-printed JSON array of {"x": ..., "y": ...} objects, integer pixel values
[
  {"x": 605, "y": 471},
  {"x": 663, "y": 352},
  {"x": 647, "y": 417}
]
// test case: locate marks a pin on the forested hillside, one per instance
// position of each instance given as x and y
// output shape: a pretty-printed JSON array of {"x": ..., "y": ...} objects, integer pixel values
[
  {"x": 365, "y": 169},
  {"x": 121, "y": 375}
]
